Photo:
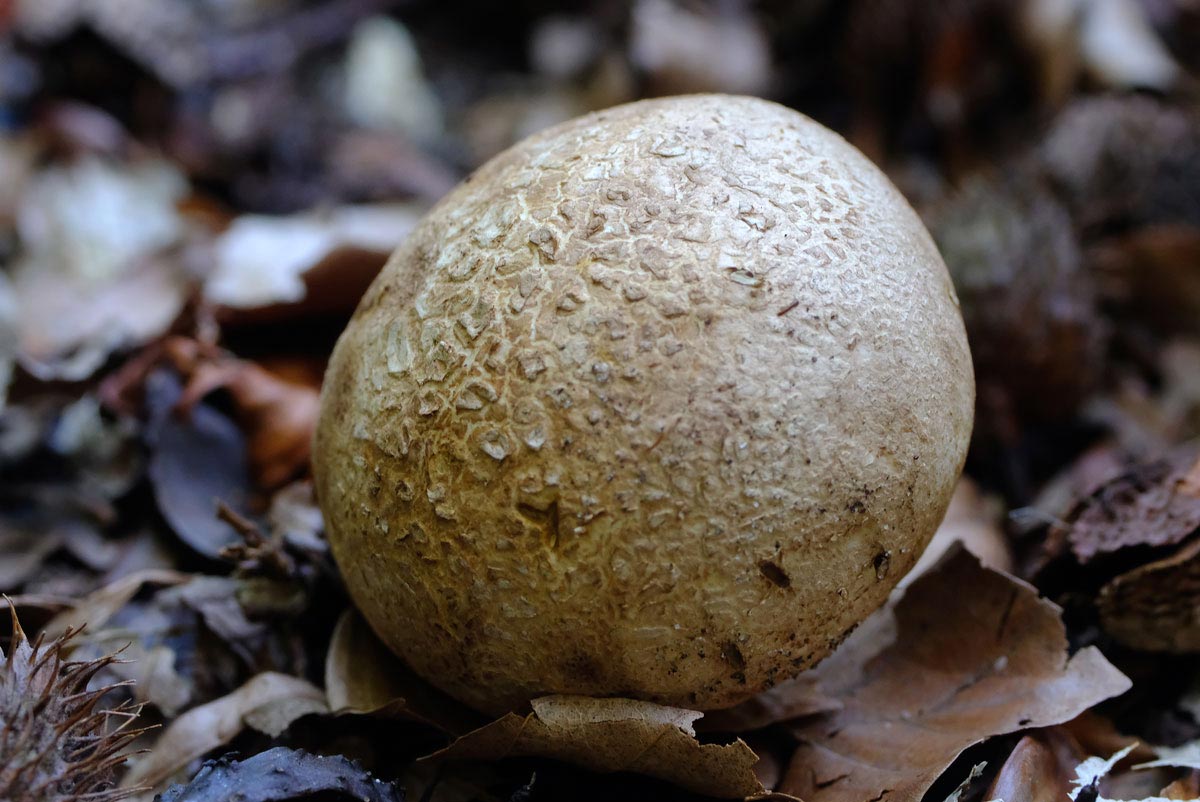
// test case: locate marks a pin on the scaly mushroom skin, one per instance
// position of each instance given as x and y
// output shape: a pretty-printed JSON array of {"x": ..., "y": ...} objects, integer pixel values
[{"x": 659, "y": 403}]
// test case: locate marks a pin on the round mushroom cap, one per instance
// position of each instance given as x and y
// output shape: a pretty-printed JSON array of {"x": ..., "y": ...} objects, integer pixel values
[{"x": 659, "y": 403}]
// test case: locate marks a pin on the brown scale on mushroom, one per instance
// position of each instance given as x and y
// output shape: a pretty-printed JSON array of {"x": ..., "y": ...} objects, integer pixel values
[{"x": 707, "y": 328}]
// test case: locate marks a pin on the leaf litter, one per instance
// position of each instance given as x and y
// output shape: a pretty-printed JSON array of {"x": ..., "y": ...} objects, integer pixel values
[
  {"x": 975, "y": 653},
  {"x": 190, "y": 212}
]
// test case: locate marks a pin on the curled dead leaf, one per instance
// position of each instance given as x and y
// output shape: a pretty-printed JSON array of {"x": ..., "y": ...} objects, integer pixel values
[
  {"x": 1156, "y": 607},
  {"x": 266, "y": 700},
  {"x": 1155, "y": 504},
  {"x": 262, "y": 261},
  {"x": 195, "y": 461},
  {"x": 282, "y": 774},
  {"x": 1039, "y": 769},
  {"x": 277, "y": 416},
  {"x": 363, "y": 676},
  {"x": 95, "y": 609},
  {"x": 608, "y": 735},
  {"x": 795, "y": 699},
  {"x": 90, "y": 282},
  {"x": 976, "y": 653},
  {"x": 973, "y": 520}
]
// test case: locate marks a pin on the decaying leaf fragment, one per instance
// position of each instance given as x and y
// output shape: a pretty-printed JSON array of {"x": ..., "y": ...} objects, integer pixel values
[
  {"x": 362, "y": 676},
  {"x": 98, "y": 607},
  {"x": 277, "y": 416},
  {"x": 973, "y": 520},
  {"x": 976, "y": 653},
  {"x": 261, "y": 261},
  {"x": 1154, "y": 504},
  {"x": 88, "y": 282},
  {"x": 1156, "y": 607},
  {"x": 790, "y": 700},
  {"x": 608, "y": 735},
  {"x": 265, "y": 702},
  {"x": 282, "y": 774},
  {"x": 1037, "y": 769}
]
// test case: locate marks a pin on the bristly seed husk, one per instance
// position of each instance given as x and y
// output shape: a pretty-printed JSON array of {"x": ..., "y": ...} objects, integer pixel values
[{"x": 56, "y": 743}]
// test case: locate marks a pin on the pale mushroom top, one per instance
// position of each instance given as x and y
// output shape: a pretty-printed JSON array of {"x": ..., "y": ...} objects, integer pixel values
[{"x": 660, "y": 402}]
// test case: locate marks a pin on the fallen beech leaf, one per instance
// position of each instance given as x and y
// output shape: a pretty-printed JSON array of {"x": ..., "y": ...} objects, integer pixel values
[
  {"x": 1156, "y": 607},
  {"x": 1039, "y": 769},
  {"x": 277, "y": 416},
  {"x": 1151, "y": 505},
  {"x": 797, "y": 698},
  {"x": 282, "y": 774},
  {"x": 98, "y": 607},
  {"x": 973, "y": 521},
  {"x": 8, "y": 336},
  {"x": 196, "y": 460},
  {"x": 1091, "y": 771},
  {"x": 1180, "y": 757},
  {"x": 976, "y": 653},
  {"x": 261, "y": 261},
  {"x": 69, "y": 327},
  {"x": 1184, "y": 790},
  {"x": 608, "y": 735},
  {"x": 363, "y": 676},
  {"x": 90, "y": 282},
  {"x": 1097, "y": 735},
  {"x": 975, "y": 773},
  {"x": 204, "y": 728}
]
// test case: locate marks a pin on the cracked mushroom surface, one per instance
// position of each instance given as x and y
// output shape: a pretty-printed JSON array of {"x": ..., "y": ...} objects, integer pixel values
[{"x": 659, "y": 403}]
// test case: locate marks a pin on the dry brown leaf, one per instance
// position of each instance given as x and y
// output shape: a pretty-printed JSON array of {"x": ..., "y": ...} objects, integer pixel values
[
  {"x": 1039, "y": 769},
  {"x": 974, "y": 521},
  {"x": 1156, "y": 607},
  {"x": 89, "y": 281},
  {"x": 277, "y": 416},
  {"x": 681, "y": 49},
  {"x": 1151, "y": 505},
  {"x": 976, "y": 653},
  {"x": 262, "y": 261},
  {"x": 202, "y": 729},
  {"x": 9, "y": 330},
  {"x": 795, "y": 699},
  {"x": 98, "y": 607},
  {"x": 1153, "y": 270},
  {"x": 362, "y": 676},
  {"x": 1097, "y": 735},
  {"x": 1186, "y": 789},
  {"x": 608, "y": 735},
  {"x": 971, "y": 520}
]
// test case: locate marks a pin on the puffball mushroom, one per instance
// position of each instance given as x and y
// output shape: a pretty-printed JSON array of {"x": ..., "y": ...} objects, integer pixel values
[{"x": 659, "y": 403}]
